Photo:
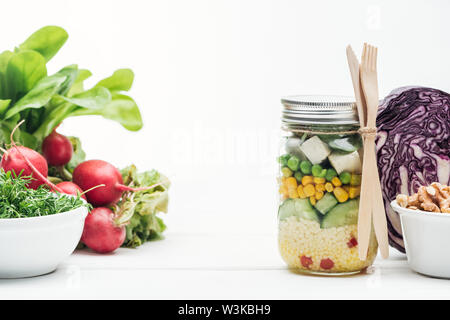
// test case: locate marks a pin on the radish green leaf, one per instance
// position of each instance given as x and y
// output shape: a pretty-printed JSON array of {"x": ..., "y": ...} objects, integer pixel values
[
  {"x": 47, "y": 41},
  {"x": 95, "y": 98},
  {"x": 4, "y": 59},
  {"x": 23, "y": 72},
  {"x": 4, "y": 105},
  {"x": 121, "y": 108},
  {"x": 78, "y": 86},
  {"x": 121, "y": 80},
  {"x": 37, "y": 97}
]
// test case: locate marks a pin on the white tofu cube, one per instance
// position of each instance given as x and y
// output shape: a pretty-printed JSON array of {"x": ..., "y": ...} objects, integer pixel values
[
  {"x": 350, "y": 162},
  {"x": 315, "y": 150},
  {"x": 293, "y": 147}
]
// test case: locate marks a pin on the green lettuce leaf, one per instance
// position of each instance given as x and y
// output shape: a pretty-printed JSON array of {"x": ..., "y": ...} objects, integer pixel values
[{"x": 139, "y": 209}]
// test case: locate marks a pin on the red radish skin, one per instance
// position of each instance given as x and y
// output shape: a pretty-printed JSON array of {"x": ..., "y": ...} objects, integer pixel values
[
  {"x": 57, "y": 149},
  {"x": 69, "y": 187},
  {"x": 100, "y": 232},
  {"x": 25, "y": 161},
  {"x": 91, "y": 173},
  {"x": 14, "y": 160}
]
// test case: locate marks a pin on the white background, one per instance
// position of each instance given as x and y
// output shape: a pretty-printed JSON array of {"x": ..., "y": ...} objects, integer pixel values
[
  {"x": 210, "y": 74},
  {"x": 209, "y": 78}
]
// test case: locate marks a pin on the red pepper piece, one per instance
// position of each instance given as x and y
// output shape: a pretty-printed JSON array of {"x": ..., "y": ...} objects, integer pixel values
[
  {"x": 352, "y": 243},
  {"x": 306, "y": 261},
  {"x": 326, "y": 263}
]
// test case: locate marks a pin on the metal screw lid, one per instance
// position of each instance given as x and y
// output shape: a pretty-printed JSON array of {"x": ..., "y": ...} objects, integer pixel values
[{"x": 317, "y": 110}]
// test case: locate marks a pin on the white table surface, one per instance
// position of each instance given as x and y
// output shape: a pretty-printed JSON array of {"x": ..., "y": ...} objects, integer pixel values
[{"x": 215, "y": 266}]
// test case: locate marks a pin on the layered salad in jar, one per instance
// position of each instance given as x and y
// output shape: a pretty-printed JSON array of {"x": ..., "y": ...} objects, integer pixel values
[{"x": 319, "y": 186}]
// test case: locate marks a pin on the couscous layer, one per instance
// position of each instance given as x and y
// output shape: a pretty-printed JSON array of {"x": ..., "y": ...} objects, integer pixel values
[{"x": 305, "y": 246}]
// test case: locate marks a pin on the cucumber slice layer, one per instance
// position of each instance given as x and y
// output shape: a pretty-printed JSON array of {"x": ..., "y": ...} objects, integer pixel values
[
  {"x": 342, "y": 214},
  {"x": 326, "y": 203},
  {"x": 300, "y": 208}
]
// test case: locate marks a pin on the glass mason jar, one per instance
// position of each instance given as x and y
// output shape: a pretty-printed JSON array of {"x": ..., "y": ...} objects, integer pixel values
[{"x": 319, "y": 186}]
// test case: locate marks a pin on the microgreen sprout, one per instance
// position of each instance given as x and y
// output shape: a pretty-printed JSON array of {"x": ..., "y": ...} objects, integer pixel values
[{"x": 17, "y": 201}]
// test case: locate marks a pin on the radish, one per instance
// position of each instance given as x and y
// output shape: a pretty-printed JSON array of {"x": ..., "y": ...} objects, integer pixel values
[
  {"x": 101, "y": 233},
  {"x": 69, "y": 187},
  {"x": 91, "y": 173},
  {"x": 57, "y": 149},
  {"x": 14, "y": 160},
  {"x": 26, "y": 162}
]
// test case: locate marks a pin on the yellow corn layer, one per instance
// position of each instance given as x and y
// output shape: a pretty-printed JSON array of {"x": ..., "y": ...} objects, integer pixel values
[
  {"x": 291, "y": 183},
  {"x": 336, "y": 182},
  {"x": 320, "y": 187},
  {"x": 354, "y": 192},
  {"x": 329, "y": 187},
  {"x": 318, "y": 195},
  {"x": 309, "y": 190},
  {"x": 312, "y": 200},
  {"x": 307, "y": 180},
  {"x": 293, "y": 194},
  {"x": 301, "y": 192},
  {"x": 340, "y": 194},
  {"x": 315, "y": 187},
  {"x": 318, "y": 180}
]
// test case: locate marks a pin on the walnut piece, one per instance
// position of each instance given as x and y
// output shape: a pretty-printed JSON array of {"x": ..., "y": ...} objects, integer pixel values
[
  {"x": 442, "y": 196},
  {"x": 413, "y": 200},
  {"x": 426, "y": 200},
  {"x": 402, "y": 200},
  {"x": 432, "y": 198}
]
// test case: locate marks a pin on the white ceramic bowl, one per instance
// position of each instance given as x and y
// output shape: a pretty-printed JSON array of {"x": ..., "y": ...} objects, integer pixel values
[
  {"x": 36, "y": 245},
  {"x": 427, "y": 239}
]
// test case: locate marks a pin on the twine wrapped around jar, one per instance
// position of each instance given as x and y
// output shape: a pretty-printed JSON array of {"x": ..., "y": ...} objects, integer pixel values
[
  {"x": 364, "y": 132},
  {"x": 368, "y": 132},
  {"x": 320, "y": 132}
]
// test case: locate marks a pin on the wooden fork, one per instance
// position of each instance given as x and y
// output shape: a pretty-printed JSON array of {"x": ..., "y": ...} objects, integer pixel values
[
  {"x": 354, "y": 67},
  {"x": 370, "y": 185}
]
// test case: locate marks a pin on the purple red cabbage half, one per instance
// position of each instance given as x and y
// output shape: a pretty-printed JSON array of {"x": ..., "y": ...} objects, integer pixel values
[{"x": 413, "y": 147}]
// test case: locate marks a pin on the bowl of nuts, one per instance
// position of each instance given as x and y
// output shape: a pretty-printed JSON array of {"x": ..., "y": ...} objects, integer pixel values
[{"x": 425, "y": 218}]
